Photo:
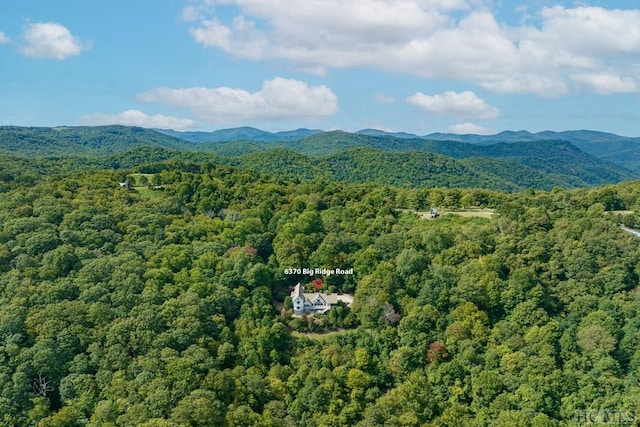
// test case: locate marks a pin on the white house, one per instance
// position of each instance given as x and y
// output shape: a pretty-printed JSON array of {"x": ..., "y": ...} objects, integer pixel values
[{"x": 316, "y": 302}]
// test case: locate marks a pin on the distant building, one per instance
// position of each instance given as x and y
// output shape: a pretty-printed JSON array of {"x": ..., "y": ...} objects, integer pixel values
[
  {"x": 433, "y": 213},
  {"x": 316, "y": 303},
  {"x": 125, "y": 185}
]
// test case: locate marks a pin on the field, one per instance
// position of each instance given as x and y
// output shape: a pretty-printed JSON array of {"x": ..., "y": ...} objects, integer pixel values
[
  {"x": 472, "y": 213},
  {"x": 320, "y": 335},
  {"x": 141, "y": 183},
  {"x": 467, "y": 213}
]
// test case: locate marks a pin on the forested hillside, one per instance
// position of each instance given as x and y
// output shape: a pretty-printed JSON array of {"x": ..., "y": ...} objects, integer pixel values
[
  {"x": 408, "y": 170},
  {"x": 620, "y": 150},
  {"x": 416, "y": 169},
  {"x": 83, "y": 140},
  {"x": 550, "y": 156},
  {"x": 359, "y": 165},
  {"x": 155, "y": 306},
  {"x": 400, "y": 161}
]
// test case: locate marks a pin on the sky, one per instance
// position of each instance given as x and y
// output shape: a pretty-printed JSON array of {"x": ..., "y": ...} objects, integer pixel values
[{"x": 419, "y": 66}]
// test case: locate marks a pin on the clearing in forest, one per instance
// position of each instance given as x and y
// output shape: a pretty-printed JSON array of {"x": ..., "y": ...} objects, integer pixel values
[{"x": 467, "y": 213}]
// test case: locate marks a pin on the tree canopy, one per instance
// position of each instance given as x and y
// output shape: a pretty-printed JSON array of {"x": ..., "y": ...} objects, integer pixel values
[{"x": 157, "y": 305}]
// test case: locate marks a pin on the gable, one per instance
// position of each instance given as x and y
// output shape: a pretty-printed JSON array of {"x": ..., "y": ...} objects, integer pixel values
[{"x": 319, "y": 300}]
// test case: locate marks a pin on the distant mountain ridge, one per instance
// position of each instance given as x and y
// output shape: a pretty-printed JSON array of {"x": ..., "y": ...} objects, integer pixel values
[
  {"x": 240, "y": 133},
  {"x": 621, "y": 150},
  {"x": 550, "y": 156},
  {"x": 398, "y": 159}
]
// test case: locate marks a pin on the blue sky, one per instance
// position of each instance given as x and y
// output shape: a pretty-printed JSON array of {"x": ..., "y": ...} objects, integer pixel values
[{"x": 421, "y": 66}]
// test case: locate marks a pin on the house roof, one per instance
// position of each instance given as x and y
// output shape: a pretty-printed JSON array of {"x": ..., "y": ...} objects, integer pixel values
[
  {"x": 298, "y": 291},
  {"x": 314, "y": 296},
  {"x": 330, "y": 298}
]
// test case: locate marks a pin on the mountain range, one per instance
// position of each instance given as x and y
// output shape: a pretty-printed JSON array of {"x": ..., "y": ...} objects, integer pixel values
[
  {"x": 508, "y": 161},
  {"x": 245, "y": 132},
  {"x": 621, "y": 150}
]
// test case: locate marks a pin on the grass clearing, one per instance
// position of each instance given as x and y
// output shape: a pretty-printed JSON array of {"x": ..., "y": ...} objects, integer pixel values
[
  {"x": 150, "y": 193},
  {"x": 466, "y": 213},
  {"x": 320, "y": 335},
  {"x": 142, "y": 183},
  {"x": 472, "y": 213}
]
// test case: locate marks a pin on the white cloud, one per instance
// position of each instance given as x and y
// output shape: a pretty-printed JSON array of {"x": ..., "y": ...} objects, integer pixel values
[
  {"x": 51, "y": 41},
  {"x": 4, "y": 38},
  {"x": 589, "y": 30},
  {"x": 463, "y": 104},
  {"x": 139, "y": 118},
  {"x": 243, "y": 38},
  {"x": 278, "y": 99},
  {"x": 470, "y": 128},
  {"x": 605, "y": 83},
  {"x": 437, "y": 39}
]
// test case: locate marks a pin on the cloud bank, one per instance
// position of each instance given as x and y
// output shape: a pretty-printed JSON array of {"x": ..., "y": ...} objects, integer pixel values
[
  {"x": 464, "y": 104},
  {"x": 278, "y": 99},
  {"x": 558, "y": 51},
  {"x": 139, "y": 118}
]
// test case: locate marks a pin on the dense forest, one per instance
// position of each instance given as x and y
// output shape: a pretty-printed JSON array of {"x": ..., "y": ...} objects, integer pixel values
[
  {"x": 621, "y": 150},
  {"x": 337, "y": 156},
  {"x": 159, "y": 304}
]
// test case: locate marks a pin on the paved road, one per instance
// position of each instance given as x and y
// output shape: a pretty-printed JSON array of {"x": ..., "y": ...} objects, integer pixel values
[{"x": 630, "y": 230}]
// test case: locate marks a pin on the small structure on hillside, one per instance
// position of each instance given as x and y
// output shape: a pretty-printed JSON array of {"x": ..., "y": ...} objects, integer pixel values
[
  {"x": 316, "y": 302},
  {"x": 125, "y": 185},
  {"x": 433, "y": 213}
]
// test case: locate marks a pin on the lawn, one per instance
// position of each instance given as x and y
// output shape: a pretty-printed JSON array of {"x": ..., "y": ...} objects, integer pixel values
[
  {"x": 320, "y": 335},
  {"x": 472, "y": 213},
  {"x": 467, "y": 213}
]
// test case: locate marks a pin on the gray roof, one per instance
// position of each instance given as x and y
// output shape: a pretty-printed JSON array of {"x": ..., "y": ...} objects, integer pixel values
[
  {"x": 330, "y": 298},
  {"x": 298, "y": 291}
]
